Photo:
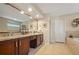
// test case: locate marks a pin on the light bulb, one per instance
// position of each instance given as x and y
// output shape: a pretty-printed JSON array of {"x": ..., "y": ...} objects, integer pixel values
[
  {"x": 37, "y": 16},
  {"x": 22, "y": 12},
  {"x": 30, "y": 9}
]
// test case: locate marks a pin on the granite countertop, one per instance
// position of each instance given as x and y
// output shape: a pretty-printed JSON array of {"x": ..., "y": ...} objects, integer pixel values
[{"x": 17, "y": 36}]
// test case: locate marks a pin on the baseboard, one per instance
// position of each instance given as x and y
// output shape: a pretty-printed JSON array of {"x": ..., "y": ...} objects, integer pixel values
[{"x": 60, "y": 42}]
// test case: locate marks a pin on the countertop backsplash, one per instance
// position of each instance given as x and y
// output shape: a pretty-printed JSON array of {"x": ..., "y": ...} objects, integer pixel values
[{"x": 3, "y": 34}]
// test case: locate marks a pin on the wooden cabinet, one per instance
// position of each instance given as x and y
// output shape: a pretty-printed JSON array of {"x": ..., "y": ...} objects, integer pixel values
[
  {"x": 23, "y": 46},
  {"x": 7, "y": 47},
  {"x": 18, "y": 46},
  {"x": 39, "y": 39},
  {"x": 33, "y": 41},
  {"x": 36, "y": 40}
]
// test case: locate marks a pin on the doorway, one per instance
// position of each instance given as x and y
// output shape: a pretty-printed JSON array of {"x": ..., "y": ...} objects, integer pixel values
[{"x": 59, "y": 31}]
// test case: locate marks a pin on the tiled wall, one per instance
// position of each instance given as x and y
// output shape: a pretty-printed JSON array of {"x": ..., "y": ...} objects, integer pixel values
[{"x": 43, "y": 26}]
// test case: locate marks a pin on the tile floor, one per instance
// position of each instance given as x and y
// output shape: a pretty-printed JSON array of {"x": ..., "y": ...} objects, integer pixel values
[{"x": 54, "y": 49}]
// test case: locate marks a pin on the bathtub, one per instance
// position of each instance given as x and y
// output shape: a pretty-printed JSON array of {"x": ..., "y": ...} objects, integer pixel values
[
  {"x": 73, "y": 44},
  {"x": 76, "y": 39}
]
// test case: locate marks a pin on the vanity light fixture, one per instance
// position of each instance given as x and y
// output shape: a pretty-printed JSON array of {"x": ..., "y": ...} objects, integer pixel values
[
  {"x": 29, "y": 9},
  {"x": 22, "y": 12}
]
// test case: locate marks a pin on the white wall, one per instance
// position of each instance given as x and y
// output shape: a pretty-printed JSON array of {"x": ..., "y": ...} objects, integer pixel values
[
  {"x": 67, "y": 21},
  {"x": 69, "y": 29},
  {"x": 52, "y": 29}
]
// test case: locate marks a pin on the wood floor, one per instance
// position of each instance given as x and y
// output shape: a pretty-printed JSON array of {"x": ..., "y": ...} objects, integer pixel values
[{"x": 54, "y": 49}]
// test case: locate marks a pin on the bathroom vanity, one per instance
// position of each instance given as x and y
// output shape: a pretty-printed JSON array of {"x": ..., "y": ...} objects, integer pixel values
[{"x": 19, "y": 44}]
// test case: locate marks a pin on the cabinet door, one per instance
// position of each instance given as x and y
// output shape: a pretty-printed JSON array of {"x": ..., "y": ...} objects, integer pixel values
[
  {"x": 7, "y": 47},
  {"x": 23, "y": 46},
  {"x": 38, "y": 40},
  {"x": 41, "y": 38},
  {"x": 33, "y": 41}
]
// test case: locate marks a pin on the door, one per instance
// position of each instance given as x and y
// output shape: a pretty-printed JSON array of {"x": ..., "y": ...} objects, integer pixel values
[
  {"x": 23, "y": 46},
  {"x": 7, "y": 47},
  {"x": 59, "y": 31}
]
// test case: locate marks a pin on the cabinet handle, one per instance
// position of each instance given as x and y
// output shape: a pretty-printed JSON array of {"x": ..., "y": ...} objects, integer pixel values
[
  {"x": 16, "y": 44},
  {"x": 20, "y": 42}
]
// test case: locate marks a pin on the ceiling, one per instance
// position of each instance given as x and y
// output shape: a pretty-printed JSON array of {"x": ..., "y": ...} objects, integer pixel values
[
  {"x": 57, "y": 9},
  {"x": 53, "y": 9},
  {"x": 7, "y": 11}
]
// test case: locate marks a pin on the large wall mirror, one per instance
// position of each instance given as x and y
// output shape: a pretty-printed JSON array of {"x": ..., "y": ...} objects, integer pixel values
[{"x": 9, "y": 25}]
